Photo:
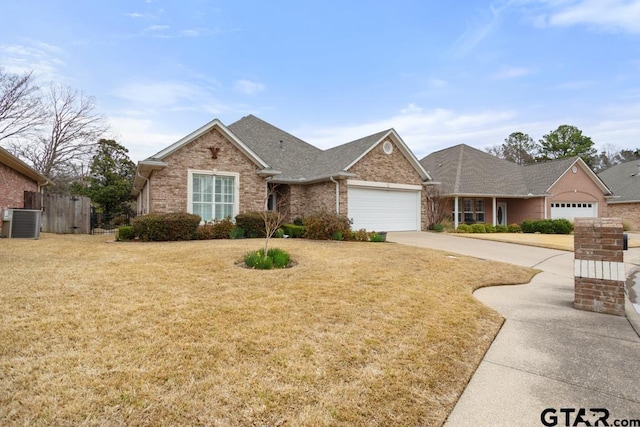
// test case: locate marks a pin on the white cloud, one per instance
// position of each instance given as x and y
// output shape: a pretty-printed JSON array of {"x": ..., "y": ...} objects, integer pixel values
[
  {"x": 248, "y": 87},
  {"x": 608, "y": 15},
  {"x": 160, "y": 94},
  {"x": 43, "y": 59},
  {"x": 511, "y": 72},
  {"x": 140, "y": 136},
  {"x": 424, "y": 131},
  {"x": 156, "y": 28}
]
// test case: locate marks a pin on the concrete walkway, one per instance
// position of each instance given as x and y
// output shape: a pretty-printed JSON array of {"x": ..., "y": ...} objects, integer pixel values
[{"x": 547, "y": 354}]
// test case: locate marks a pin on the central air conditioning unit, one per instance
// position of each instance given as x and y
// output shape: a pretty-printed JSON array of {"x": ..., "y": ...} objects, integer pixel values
[{"x": 21, "y": 223}]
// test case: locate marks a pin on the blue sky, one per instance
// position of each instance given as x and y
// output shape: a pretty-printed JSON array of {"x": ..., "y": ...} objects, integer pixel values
[{"x": 441, "y": 73}]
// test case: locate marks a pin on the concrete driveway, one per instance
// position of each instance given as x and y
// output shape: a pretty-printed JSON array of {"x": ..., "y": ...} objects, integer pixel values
[{"x": 547, "y": 354}]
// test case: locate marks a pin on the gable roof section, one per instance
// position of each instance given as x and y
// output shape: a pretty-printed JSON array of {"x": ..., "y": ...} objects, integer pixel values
[
  {"x": 18, "y": 165},
  {"x": 624, "y": 180},
  {"x": 464, "y": 170},
  {"x": 343, "y": 157},
  {"x": 156, "y": 162},
  {"x": 281, "y": 150}
]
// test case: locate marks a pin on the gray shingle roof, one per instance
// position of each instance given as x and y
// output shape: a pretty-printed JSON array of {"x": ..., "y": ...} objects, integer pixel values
[
  {"x": 465, "y": 170},
  {"x": 297, "y": 159},
  {"x": 281, "y": 150},
  {"x": 624, "y": 181}
]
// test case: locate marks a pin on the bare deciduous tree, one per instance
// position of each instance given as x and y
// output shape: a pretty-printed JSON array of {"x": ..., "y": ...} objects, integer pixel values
[
  {"x": 437, "y": 205},
  {"x": 276, "y": 214},
  {"x": 21, "y": 109},
  {"x": 72, "y": 131}
]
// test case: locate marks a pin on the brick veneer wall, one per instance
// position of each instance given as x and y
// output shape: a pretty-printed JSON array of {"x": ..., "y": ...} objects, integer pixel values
[
  {"x": 169, "y": 186},
  {"x": 13, "y": 184},
  {"x": 598, "y": 265},
  {"x": 629, "y": 212}
]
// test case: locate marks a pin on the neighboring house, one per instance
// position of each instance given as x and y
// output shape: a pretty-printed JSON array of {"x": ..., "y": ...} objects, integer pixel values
[
  {"x": 624, "y": 181},
  {"x": 218, "y": 171},
  {"x": 485, "y": 189},
  {"x": 16, "y": 177}
]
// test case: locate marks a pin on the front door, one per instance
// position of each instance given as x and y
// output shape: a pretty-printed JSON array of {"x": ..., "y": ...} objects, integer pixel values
[{"x": 501, "y": 214}]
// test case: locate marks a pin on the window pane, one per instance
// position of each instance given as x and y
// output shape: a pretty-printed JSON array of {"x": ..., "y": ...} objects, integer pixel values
[{"x": 479, "y": 205}]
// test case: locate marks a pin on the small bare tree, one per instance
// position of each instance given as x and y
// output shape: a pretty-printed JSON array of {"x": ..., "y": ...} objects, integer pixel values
[
  {"x": 437, "y": 205},
  {"x": 276, "y": 216},
  {"x": 73, "y": 130},
  {"x": 21, "y": 109}
]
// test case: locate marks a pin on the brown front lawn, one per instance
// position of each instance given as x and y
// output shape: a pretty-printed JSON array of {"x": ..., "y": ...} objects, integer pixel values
[{"x": 97, "y": 333}]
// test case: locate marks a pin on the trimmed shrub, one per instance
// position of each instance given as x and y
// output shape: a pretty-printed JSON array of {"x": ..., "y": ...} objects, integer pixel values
[
  {"x": 490, "y": 228},
  {"x": 218, "y": 229},
  {"x": 252, "y": 224},
  {"x": 547, "y": 226},
  {"x": 562, "y": 226},
  {"x": 125, "y": 233},
  {"x": 275, "y": 258},
  {"x": 464, "y": 228},
  {"x": 322, "y": 225},
  {"x": 502, "y": 229},
  {"x": 236, "y": 233},
  {"x": 166, "y": 227},
  {"x": 514, "y": 228},
  {"x": 478, "y": 228},
  {"x": 293, "y": 230},
  {"x": 438, "y": 228},
  {"x": 337, "y": 236}
]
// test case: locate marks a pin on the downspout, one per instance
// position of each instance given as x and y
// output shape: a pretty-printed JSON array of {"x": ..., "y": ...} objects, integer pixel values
[
  {"x": 146, "y": 185},
  {"x": 337, "y": 194}
]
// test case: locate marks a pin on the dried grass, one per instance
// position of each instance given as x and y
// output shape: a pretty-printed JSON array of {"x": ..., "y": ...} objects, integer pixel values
[{"x": 97, "y": 333}]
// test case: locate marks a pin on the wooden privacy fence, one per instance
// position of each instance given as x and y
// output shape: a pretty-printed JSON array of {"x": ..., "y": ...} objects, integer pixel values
[{"x": 61, "y": 214}]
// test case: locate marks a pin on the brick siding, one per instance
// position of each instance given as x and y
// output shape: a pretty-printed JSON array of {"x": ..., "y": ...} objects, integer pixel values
[
  {"x": 169, "y": 186},
  {"x": 629, "y": 212},
  {"x": 13, "y": 184}
]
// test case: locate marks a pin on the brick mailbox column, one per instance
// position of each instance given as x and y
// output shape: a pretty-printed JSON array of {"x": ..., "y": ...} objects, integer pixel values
[{"x": 598, "y": 265}]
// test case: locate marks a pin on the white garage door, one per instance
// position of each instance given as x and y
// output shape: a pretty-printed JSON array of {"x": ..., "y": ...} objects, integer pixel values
[
  {"x": 574, "y": 210},
  {"x": 384, "y": 209}
]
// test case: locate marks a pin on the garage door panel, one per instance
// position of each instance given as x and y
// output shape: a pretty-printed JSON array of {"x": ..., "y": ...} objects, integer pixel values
[
  {"x": 384, "y": 210},
  {"x": 571, "y": 210}
]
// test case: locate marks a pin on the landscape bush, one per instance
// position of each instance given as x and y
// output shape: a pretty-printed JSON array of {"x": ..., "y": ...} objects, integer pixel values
[
  {"x": 218, "y": 229},
  {"x": 360, "y": 235},
  {"x": 502, "y": 229},
  {"x": 514, "y": 228},
  {"x": 166, "y": 227},
  {"x": 547, "y": 226},
  {"x": 464, "y": 228},
  {"x": 478, "y": 228},
  {"x": 293, "y": 230},
  {"x": 125, "y": 233},
  {"x": 490, "y": 228},
  {"x": 376, "y": 237},
  {"x": 322, "y": 225},
  {"x": 252, "y": 223}
]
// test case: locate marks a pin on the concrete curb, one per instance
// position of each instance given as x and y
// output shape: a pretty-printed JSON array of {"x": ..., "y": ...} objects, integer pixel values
[{"x": 632, "y": 315}]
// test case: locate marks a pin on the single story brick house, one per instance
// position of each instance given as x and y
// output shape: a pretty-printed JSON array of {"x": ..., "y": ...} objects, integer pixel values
[
  {"x": 218, "y": 171},
  {"x": 486, "y": 189},
  {"x": 624, "y": 181},
  {"x": 16, "y": 177}
]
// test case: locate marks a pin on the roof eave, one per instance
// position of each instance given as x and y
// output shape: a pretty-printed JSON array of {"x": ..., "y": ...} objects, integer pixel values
[
  {"x": 143, "y": 171},
  {"x": 18, "y": 165}
]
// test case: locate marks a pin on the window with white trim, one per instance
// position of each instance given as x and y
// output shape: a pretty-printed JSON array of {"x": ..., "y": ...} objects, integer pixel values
[
  {"x": 472, "y": 211},
  {"x": 213, "y": 195}
]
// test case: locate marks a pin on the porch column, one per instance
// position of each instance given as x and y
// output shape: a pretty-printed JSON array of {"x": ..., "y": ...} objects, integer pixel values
[
  {"x": 495, "y": 210},
  {"x": 455, "y": 213}
]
